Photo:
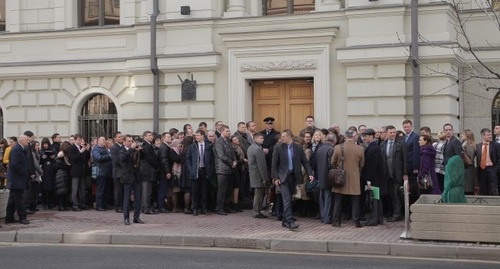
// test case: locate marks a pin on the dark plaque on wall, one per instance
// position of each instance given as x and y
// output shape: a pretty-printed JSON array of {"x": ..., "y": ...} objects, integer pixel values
[{"x": 188, "y": 88}]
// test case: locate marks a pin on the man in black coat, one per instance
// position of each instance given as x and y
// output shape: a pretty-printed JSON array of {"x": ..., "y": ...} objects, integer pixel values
[
  {"x": 269, "y": 140},
  {"x": 452, "y": 146},
  {"x": 128, "y": 178},
  {"x": 117, "y": 185},
  {"x": 394, "y": 156},
  {"x": 286, "y": 170},
  {"x": 321, "y": 166},
  {"x": 165, "y": 173},
  {"x": 79, "y": 156},
  {"x": 31, "y": 194},
  {"x": 149, "y": 164},
  {"x": 17, "y": 181},
  {"x": 372, "y": 174}
]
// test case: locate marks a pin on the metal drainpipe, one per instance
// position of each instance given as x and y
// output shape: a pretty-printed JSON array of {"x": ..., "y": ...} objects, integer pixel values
[
  {"x": 415, "y": 64},
  {"x": 154, "y": 69}
]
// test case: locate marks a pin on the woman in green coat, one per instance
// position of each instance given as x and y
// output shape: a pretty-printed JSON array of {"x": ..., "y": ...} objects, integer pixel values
[{"x": 454, "y": 181}]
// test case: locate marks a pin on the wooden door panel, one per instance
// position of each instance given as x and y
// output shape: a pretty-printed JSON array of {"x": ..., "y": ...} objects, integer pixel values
[
  {"x": 288, "y": 101},
  {"x": 297, "y": 114}
]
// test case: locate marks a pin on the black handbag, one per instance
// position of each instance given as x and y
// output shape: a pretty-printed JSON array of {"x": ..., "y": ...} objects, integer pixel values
[
  {"x": 425, "y": 183},
  {"x": 336, "y": 176}
]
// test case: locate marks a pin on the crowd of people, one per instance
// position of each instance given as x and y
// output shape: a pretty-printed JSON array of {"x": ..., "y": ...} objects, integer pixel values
[{"x": 275, "y": 174}]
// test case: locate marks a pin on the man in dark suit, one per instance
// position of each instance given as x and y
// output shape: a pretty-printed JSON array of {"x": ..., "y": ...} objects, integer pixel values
[
  {"x": 17, "y": 181},
  {"x": 394, "y": 156},
  {"x": 200, "y": 168},
  {"x": 372, "y": 174},
  {"x": 128, "y": 178},
  {"x": 321, "y": 167},
  {"x": 269, "y": 140},
  {"x": 148, "y": 166},
  {"x": 165, "y": 174},
  {"x": 487, "y": 160},
  {"x": 452, "y": 146},
  {"x": 79, "y": 155},
  {"x": 286, "y": 172},
  {"x": 30, "y": 195},
  {"x": 411, "y": 141},
  {"x": 117, "y": 185}
]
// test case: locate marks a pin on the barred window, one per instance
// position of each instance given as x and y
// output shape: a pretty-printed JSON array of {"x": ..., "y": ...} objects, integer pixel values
[
  {"x": 2, "y": 15},
  {"x": 99, "y": 12}
]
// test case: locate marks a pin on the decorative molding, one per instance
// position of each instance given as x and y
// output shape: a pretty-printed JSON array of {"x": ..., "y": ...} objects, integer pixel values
[{"x": 281, "y": 65}]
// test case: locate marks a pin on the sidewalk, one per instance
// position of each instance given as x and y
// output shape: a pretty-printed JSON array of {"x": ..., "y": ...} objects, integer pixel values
[{"x": 238, "y": 230}]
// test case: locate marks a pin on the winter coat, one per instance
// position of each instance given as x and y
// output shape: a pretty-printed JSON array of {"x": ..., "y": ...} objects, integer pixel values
[{"x": 454, "y": 181}]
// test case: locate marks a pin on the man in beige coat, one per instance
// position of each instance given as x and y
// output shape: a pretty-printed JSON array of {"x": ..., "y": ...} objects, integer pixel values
[{"x": 353, "y": 162}]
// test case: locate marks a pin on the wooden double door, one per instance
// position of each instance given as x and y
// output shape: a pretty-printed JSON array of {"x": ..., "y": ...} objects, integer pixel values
[{"x": 288, "y": 101}]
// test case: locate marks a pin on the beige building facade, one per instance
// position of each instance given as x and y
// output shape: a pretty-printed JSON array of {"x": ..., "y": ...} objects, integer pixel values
[{"x": 56, "y": 55}]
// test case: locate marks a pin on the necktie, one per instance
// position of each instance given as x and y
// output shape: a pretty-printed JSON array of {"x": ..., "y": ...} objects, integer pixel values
[
  {"x": 202, "y": 160},
  {"x": 484, "y": 155},
  {"x": 407, "y": 136},
  {"x": 389, "y": 149},
  {"x": 290, "y": 158}
]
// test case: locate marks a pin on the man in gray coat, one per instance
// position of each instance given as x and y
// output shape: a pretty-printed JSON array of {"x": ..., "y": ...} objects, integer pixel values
[
  {"x": 225, "y": 162},
  {"x": 321, "y": 166},
  {"x": 258, "y": 173}
]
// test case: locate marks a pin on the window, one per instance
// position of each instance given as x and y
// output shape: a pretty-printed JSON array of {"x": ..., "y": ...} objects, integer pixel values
[
  {"x": 283, "y": 7},
  {"x": 2, "y": 15},
  {"x": 99, "y": 12}
]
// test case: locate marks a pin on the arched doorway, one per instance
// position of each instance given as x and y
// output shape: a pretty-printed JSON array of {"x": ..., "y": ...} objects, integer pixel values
[{"x": 98, "y": 117}]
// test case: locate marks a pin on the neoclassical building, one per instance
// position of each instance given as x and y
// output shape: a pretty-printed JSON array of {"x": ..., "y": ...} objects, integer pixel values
[{"x": 85, "y": 66}]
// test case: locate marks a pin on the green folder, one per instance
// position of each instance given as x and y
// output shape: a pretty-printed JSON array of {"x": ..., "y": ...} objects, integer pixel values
[{"x": 376, "y": 193}]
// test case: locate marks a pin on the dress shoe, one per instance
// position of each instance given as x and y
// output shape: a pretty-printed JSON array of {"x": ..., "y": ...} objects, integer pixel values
[
  {"x": 119, "y": 210},
  {"x": 221, "y": 212},
  {"x": 291, "y": 226},
  {"x": 195, "y": 212},
  {"x": 24, "y": 221},
  {"x": 357, "y": 224},
  {"x": 126, "y": 222},
  {"x": 100, "y": 209},
  {"x": 260, "y": 216},
  {"x": 29, "y": 211},
  {"x": 336, "y": 223},
  {"x": 163, "y": 210},
  {"x": 138, "y": 221},
  {"x": 75, "y": 208},
  {"x": 150, "y": 212},
  {"x": 84, "y": 207},
  {"x": 230, "y": 210},
  {"x": 188, "y": 211},
  {"x": 8, "y": 221},
  {"x": 369, "y": 223},
  {"x": 205, "y": 212},
  {"x": 394, "y": 219}
]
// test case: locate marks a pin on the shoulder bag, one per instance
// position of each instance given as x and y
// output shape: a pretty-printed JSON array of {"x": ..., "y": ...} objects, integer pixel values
[{"x": 336, "y": 176}]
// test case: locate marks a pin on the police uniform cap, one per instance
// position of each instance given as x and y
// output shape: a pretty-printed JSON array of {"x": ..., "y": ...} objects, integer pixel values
[{"x": 269, "y": 120}]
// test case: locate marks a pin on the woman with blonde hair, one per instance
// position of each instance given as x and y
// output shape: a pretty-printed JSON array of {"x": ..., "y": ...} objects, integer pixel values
[
  {"x": 469, "y": 148},
  {"x": 439, "y": 147}
]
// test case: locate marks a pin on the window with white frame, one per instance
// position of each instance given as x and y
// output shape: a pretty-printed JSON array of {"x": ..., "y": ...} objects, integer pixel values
[{"x": 99, "y": 12}]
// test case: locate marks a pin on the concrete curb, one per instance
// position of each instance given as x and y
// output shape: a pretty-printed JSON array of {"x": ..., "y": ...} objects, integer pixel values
[{"x": 414, "y": 250}]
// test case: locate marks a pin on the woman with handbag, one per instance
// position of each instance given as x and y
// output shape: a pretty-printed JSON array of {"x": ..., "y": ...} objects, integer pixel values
[
  {"x": 427, "y": 179},
  {"x": 469, "y": 148}
]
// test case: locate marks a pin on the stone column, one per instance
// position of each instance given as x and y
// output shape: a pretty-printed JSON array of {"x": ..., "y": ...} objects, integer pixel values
[
  {"x": 236, "y": 8},
  {"x": 328, "y": 5}
]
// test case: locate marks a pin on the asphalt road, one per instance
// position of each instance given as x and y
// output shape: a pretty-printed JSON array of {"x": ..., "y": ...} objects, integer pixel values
[{"x": 97, "y": 256}]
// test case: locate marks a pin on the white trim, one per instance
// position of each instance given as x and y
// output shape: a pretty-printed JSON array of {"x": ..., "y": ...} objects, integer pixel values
[{"x": 240, "y": 95}]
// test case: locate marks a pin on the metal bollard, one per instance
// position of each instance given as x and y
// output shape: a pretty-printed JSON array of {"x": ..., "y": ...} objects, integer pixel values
[{"x": 407, "y": 233}]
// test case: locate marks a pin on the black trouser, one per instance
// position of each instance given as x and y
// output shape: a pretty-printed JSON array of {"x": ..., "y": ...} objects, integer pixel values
[
  {"x": 337, "y": 207},
  {"x": 224, "y": 190},
  {"x": 30, "y": 195},
  {"x": 127, "y": 190},
  {"x": 199, "y": 191},
  {"x": 118, "y": 193},
  {"x": 14, "y": 203},
  {"x": 100, "y": 193},
  {"x": 488, "y": 181},
  {"x": 287, "y": 188}
]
